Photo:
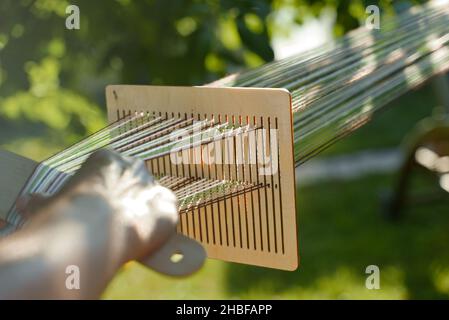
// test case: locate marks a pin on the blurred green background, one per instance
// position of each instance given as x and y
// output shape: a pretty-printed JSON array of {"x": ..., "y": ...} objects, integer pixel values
[{"x": 52, "y": 94}]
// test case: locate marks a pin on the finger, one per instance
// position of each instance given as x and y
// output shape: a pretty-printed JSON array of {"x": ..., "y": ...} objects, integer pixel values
[
  {"x": 102, "y": 155},
  {"x": 140, "y": 170},
  {"x": 100, "y": 158},
  {"x": 99, "y": 166},
  {"x": 166, "y": 201},
  {"x": 163, "y": 203},
  {"x": 106, "y": 162}
]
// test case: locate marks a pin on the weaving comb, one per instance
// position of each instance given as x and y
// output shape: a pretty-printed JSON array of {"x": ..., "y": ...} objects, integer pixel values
[{"x": 256, "y": 227}]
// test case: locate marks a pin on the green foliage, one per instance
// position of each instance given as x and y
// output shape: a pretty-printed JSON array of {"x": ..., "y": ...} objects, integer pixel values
[
  {"x": 55, "y": 77},
  {"x": 46, "y": 102},
  {"x": 350, "y": 13},
  {"x": 52, "y": 79}
]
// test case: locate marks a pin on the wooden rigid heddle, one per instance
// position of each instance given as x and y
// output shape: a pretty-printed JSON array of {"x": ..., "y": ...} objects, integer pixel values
[{"x": 255, "y": 221}]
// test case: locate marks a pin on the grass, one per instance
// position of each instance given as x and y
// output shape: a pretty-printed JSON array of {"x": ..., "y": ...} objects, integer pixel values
[{"x": 341, "y": 233}]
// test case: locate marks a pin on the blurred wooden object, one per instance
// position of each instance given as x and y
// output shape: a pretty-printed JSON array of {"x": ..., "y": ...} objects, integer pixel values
[
  {"x": 15, "y": 171},
  {"x": 427, "y": 147}
]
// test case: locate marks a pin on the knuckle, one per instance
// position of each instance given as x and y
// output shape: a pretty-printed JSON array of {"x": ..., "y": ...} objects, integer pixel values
[
  {"x": 102, "y": 154},
  {"x": 167, "y": 201},
  {"x": 166, "y": 194},
  {"x": 102, "y": 157}
]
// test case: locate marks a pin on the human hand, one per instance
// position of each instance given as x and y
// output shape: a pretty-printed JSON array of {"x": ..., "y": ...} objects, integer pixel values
[{"x": 120, "y": 194}]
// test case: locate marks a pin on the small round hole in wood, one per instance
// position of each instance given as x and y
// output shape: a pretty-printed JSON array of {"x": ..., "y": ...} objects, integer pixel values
[{"x": 176, "y": 257}]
